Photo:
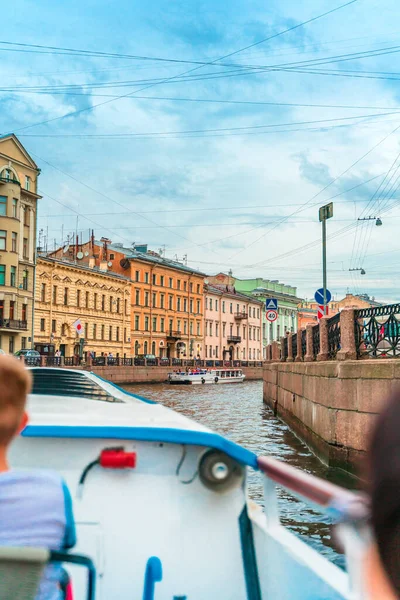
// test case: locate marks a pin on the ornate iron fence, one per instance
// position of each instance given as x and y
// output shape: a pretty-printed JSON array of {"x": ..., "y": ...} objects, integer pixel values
[
  {"x": 334, "y": 336},
  {"x": 315, "y": 340},
  {"x": 285, "y": 349},
  {"x": 294, "y": 346},
  {"x": 303, "y": 343},
  {"x": 377, "y": 331}
]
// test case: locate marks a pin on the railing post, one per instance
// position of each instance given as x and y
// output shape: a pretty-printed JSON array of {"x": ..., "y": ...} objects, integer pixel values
[
  {"x": 299, "y": 356},
  {"x": 89, "y": 360},
  {"x": 275, "y": 352},
  {"x": 283, "y": 357},
  {"x": 309, "y": 357},
  {"x": 42, "y": 361},
  {"x": 290, "y": 348},
  {"x": 348, "y": 349},
  {"x": 323, "y": 353}
]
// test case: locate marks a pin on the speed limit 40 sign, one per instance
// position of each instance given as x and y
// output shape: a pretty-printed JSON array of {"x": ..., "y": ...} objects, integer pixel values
[{"x": 272, "y": 315}]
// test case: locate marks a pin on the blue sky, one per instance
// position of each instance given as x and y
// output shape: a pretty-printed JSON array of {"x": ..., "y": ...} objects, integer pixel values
[{"x": 242, "y": 188}]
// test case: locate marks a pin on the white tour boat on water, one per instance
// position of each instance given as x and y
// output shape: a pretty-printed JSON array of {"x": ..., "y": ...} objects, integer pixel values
[
  {"x": 162, "y": 507},
  {"x": 203, "y": 376}
]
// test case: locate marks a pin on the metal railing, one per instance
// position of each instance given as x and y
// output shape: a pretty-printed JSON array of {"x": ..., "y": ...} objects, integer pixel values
[
  {"x": 234, "y": 339},
  {"x": 174, "y": 334},
  {"x": 285, "y": 349},
  {"x": 13, "y": 324},
  {"x": 377, "y": 331},
  {"x": 105, "y": 361},
  {"x": 333, "y": 336},
  {"x": 315, "y": 340},
  {"x": 303, "y": 343},
  {"x": 294, "y": 346},
  {"x": 240, "y": 315}
]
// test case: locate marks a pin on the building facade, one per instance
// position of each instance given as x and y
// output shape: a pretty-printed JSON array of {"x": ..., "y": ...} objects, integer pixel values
[
  {"x": 264, "y": 289},
  {"x": 66, "y": 292},
  {"x": 167, "y": 301},
  {"x": 18, "y": 222},
  {"x": 232, "y": 325}
]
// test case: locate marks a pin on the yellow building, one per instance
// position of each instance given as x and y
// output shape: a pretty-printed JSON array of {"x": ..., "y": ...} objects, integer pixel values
[
  {"x": 66, "y": 292},
  {"x": 18, "y": 220}
]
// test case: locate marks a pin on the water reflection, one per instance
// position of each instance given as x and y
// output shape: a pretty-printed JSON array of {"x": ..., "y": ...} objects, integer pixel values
[{"x": 237, "y": 411}]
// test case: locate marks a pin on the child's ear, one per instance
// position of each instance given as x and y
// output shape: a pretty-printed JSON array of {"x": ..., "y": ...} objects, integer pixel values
[{"x": 24, "y": 422}]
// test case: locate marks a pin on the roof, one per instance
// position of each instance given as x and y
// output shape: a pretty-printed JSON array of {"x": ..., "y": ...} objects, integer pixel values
[
  {"x": 214, "y": 289},
  {"x": 129, "y": 416},
  {"x": 82, "y": 267},
  {"x": 131, "y": 253},
  {"x": 12, "y": 136}
]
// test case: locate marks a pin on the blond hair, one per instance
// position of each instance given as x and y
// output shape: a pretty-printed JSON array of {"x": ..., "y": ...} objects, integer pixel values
[{"x": 15, "y": 384}]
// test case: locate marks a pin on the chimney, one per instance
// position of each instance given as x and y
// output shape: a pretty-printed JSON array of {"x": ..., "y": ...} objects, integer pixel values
[
  {"x": 103, "y": 265},
  {"x": 92, "y": 262}
]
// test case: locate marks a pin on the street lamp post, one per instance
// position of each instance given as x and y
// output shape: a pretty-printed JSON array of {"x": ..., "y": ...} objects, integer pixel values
[{"x": 325, "y": 212}]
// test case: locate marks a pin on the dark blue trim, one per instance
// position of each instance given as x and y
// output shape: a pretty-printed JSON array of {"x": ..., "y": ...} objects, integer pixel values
[
  {"x": 70, "y": 532},
  {"x": 148, "y": 434},
  {"x": 152, "y": 575},
  {"x": 249, "y": 557},
  {"x": 120, "y": 389}
]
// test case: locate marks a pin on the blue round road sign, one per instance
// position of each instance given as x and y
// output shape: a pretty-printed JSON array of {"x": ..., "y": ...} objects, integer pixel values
[{"x": 319, "y": 296}]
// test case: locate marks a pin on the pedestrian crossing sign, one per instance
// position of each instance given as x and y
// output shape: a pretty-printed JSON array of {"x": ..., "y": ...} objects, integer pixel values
[{"x": 271, "y": 304}]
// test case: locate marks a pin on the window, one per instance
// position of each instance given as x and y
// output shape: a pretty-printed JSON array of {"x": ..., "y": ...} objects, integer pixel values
[
  {"x": 171, "y": 324},
  {"x": 223, "y": 329},
  {"x": 12, "y": 309},
  {"x": 184, "y": 286},
  {"x": 216, "y": 329},
  {"x": 154, "y": 323},
  {"x": 27, "y": 213},
  {"x": 136, "y": 322},
  {"x": 231, "y": 329},
  {"x": 78, "y": 297},
  {"x": 25, "y": 279},
  {"x": 170, "y": 282},
  {"x": 162, "y": 325},
  {"x": 146, "y": 298},
  {"x": 211, "y": 304},
  {"x": 110, "y": 333},
  {"x": 244, "y": 353},
  {"x": 63, "y": 329},
  {"x": 42, "y": 325},
  {"x": 86, "y": 331},
  {"x": 162, "y": 280},
  {"x": 112, "y": 256},
  {"x": 65, "y": 296},
  {"x": 238, "y": 330},
  {"x": 178, "y": 304},
  {"x": 191, "y": 288},
  {"x": 145, "y": 347},
  {"x": 53, "y": 326},
  {"x": 231, "y": 308},
  {"x": 137, "y": 297},
  {"x": 14, "y": 241},
  {"x": 178, "y": 284},
  {"x": 185, "y": 305},
  {"x": 223, "y": 306},
  {"x": 137, "y": 276},
  {"x": 154, "y": 299},
  {"x": 146, "y": 278},
  {"x": 87, "y": 299},
  {"x": 210, "y": 328},
  {"x": 13, "y": 276},
  {"x": 25, "y": 249},
  {"x": 206, "y": 351},
  {"x": 153, "y": 348},
  {"x": 184, "y": 326},
  {"x": 146, "y": 323},
  {"x": 154, "y": 279},
  {"x": 125, "y": 307},
  {"x": 14, "y": 208},
  {"x": 216, "y": 304},
  {"x": 54, "y": 294},
  {"x": 191, "y": 327},
  {"x": 162, "y": 301},
  {"x": 111, "y": 303},
  {"x": 24, "y": 312},
  {"x": 117, "y": 334},
  {"x": 216, "y": 351},
  {"x": 43, "y": 292},
  {"x": 102, "y": 331},
  {"x": 23, "y": 343},
  {"x": 95, "y": 301},
  {"x": 3, "y": 240},
  {"x": 170, "y": 301},
  {"x": 3, "y": 206},
  {"x": 198, "y": 288},
  {"x": 206, "y": 303},
  {"x": 198, "y": 328},
  {"x": 11, "y": 344},
  {"x": 103, "y": 302},
  {"x": 27, "y": 182},
  {"x": 191, "y": 306},
  {"x": 118, "y": 305},
  {"x": 94, "y": 331},
  {"x": 198, "y": 307},
  {"x": 244, "y": 332}
]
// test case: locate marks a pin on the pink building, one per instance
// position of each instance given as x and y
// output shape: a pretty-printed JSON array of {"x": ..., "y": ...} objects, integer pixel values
[{"x": 232, "y": 324}]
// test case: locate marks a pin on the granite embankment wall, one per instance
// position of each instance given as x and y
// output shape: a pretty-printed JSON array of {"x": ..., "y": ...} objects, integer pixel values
[
  {"x": 122, "y": 375},
  {"x": 331, "y": 405}
]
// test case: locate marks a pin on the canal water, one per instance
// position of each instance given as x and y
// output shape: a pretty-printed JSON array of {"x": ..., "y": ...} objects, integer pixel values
[{"x": 238, "y": 412}]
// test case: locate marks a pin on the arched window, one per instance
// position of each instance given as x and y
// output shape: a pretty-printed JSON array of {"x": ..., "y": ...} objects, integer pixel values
[
  {"x": 145, "y": 348},
  {"x": 153, "y": 348},
  {"x": 136, "y": 348}
]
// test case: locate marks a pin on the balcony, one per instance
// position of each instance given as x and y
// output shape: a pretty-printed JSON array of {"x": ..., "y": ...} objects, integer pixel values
[
  {"x": 240, "y": 315},
  {"x": 13, "y": 324},
  {"x": 8, "y": 180},
  {"x": 173, "y": 335},
  {"x": 234, "y": 339}
]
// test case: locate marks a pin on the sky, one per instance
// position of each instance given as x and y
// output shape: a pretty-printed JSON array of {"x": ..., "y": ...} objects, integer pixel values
[{"x": 145, "y": 133}]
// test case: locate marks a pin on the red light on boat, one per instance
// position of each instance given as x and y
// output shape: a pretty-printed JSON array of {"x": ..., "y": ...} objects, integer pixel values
[{"x": 117, "y": 458}]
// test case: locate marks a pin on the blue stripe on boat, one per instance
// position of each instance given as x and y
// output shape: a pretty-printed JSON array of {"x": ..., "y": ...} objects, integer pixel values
[{"x": 148, "y": 434}]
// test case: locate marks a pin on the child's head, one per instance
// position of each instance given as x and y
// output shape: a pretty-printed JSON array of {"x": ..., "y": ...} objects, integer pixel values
[{"x": 15, "y": 384}]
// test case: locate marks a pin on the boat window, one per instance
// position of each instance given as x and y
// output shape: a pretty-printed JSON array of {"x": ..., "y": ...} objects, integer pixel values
[{"x": 51, "y": 382}]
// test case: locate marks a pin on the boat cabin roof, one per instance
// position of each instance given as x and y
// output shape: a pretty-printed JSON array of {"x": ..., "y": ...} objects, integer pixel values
[{"x": 67, "y": 403}]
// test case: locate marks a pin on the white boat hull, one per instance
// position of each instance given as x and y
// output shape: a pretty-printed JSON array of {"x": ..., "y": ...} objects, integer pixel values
[{"x": 215, "y": 376}]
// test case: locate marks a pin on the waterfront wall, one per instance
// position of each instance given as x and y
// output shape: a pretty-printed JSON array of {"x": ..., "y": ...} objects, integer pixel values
[
  {"x": 331, "y": 405},
  {"x": 126, "y": 375}
]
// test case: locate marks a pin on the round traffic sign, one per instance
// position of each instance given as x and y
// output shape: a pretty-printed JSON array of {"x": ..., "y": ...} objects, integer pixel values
[
  {"x": 272, "y": 315},
  {"x": 319, "y": 296}
]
